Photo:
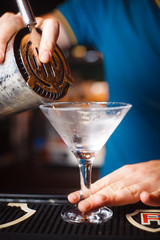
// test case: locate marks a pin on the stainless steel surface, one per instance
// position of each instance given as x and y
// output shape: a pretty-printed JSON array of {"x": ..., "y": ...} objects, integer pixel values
[
  {"x": 25, "y": 82},
  {"x": 26, "y": 12},
  {"x": 15, "y": 95}
]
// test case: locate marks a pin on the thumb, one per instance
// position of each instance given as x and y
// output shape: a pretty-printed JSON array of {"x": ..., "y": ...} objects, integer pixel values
[{"x": 152, "y": 199}]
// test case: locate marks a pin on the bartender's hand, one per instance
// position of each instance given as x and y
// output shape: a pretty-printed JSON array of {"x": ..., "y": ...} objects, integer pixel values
[
  {"x": 128, "y": 184},
  {"x": 11, "y": 23}
]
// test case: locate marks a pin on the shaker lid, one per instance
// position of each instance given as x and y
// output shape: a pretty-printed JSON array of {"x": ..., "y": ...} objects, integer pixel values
[{"x": 50, "y": 80}]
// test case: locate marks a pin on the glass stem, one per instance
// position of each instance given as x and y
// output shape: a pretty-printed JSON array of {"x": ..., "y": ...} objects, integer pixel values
[{"x": 85, "y": 168}]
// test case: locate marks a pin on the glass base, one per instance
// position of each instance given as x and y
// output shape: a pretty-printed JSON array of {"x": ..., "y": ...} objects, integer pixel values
[{"x": 73, "y": 215}]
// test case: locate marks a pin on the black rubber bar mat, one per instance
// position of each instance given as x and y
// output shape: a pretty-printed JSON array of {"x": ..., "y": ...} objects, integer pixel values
[{"x": 40, "y": 219}]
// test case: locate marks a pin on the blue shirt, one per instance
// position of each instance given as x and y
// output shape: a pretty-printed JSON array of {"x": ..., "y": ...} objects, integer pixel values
[{"x": 127, "y": 32}]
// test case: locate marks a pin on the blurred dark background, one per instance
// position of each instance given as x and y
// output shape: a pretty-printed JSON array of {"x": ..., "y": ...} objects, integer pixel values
[
  {"x": 39, "y": 7},
  {"x": 33, "y": 158}
]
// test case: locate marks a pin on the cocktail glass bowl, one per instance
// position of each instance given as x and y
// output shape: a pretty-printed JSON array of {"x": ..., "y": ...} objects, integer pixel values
[{"x": 85, "y": 127}]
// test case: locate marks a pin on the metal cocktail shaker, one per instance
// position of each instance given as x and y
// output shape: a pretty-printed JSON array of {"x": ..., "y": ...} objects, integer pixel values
[{"x": 25, "y": 82}]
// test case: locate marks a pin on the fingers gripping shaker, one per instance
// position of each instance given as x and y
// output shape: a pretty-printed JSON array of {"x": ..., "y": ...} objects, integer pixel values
[{"x": 25, "y": 82}]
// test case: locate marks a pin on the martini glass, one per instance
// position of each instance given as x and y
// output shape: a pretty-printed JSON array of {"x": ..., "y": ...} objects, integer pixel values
[{"x": 85, "y": 127}]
